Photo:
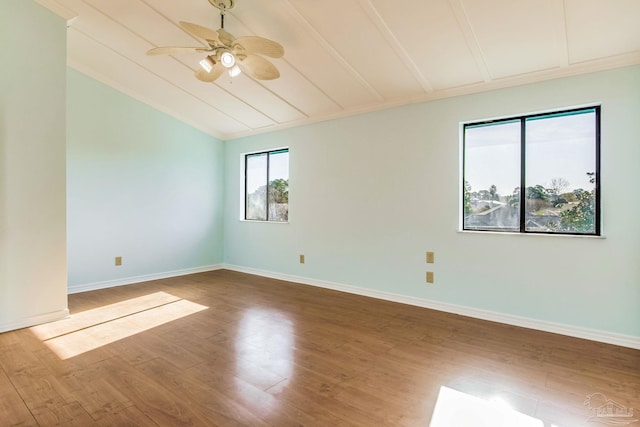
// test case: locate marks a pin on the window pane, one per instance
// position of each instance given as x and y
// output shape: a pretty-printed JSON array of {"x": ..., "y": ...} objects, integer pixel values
[
  {"x": 492, "y": 177},
  {"x": 560, "y": 173},
  {"x": 279, "y": 186},
  {"x": 256, "y": 182}
]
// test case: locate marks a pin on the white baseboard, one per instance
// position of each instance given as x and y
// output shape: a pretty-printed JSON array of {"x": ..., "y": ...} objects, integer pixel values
[
  {"x": 74, "y": 289},
  {"x": 34, "y": 320},
  {"x": 540, "y": 325}
]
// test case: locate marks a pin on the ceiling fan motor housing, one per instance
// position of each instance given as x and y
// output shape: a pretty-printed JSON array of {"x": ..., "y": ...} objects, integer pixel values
[{"x": 223, "y": 4}]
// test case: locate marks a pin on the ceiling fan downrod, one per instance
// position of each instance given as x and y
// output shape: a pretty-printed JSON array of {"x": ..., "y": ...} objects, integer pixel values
[{"x": 222, "y": 6}]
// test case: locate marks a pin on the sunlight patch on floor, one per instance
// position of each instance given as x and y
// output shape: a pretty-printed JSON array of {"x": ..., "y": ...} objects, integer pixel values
[
  {"x": 91, "y": 329},
  {"x": 456, "y": 409}
]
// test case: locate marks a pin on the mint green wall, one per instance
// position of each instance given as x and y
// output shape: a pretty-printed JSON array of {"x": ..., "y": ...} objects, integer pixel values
[
  {"x": 370, "y": 194},
  {"x": 141, "y": 185},
  {"x": 33, "y": 276}
]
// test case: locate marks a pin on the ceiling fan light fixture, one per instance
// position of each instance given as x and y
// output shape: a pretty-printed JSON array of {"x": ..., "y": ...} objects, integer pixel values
[
  {"x": 207, "y": 64},
  {"x": 234, "y": 71},
  {"x": 224, "y": 52},
  {"x": 227, "y": 59}
]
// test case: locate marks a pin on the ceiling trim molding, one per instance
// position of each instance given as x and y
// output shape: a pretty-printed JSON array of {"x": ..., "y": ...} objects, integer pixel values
[{"x": 541, "y": 76}]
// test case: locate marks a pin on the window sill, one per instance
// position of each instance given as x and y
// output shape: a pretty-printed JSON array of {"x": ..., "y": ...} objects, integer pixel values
[
  {"x": 512, "y": 233},
  {"x": 263, "y": 222}
]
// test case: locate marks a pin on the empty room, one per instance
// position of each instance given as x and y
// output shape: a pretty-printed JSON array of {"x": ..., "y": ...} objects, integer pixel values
[{"x": 319, "y": 213}]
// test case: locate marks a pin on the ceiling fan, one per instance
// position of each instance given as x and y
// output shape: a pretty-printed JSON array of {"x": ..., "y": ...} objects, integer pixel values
[{"x": 224, "y": 52}]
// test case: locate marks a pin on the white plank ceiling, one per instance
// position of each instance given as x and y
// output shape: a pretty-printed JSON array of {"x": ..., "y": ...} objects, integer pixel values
[{"x": 344, "y": 57}]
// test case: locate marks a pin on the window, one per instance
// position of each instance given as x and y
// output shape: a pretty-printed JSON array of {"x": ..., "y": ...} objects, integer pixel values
[
  {"x": 267, "y": 186},
  {"x": 554, "y": 157}
]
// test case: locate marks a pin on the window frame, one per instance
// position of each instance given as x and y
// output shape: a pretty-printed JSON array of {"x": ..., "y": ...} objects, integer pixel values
[
  {"x": 523, "y": 193},
  {"x": 244, "y": 203}
]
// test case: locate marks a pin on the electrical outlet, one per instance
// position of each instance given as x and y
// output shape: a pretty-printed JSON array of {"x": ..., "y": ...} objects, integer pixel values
[
  {"x": 429, "y": 276},
  {"x": 430, "y": 257},
  {"x": 301, "y": 259},
  {"x": 118, "y": 260}
]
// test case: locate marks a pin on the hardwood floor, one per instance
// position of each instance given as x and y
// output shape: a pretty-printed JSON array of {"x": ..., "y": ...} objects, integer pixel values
[{"x": 229, "y": 349}]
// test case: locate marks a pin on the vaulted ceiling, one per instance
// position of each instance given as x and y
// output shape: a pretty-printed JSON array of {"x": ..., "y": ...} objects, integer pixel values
[{"x": 343, "y": 57}]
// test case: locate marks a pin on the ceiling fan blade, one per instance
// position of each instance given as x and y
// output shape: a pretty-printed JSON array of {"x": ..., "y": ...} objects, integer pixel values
[
  {"x": 258, "y": 67},
  {"x": 200, "y": 32},
  {"x": 255, "y": 44},
  {"x": 174, "y": 50},
  {"x": 212, "y": 75}
]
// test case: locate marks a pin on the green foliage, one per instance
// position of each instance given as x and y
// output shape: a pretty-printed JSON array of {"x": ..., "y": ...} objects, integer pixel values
[
  {"x": 537, "y": 192},
  {"x": 537, "y": 198},
  {"x": 581, "y": 217},
  {"x": 574, "y": 210},
  {"x": 514, "y": 198},
  {"x": 493, "y": 193},
  {"x": 467, "y": 198},
  {"x": 490, "y": 194},
  {"x": 279, "y": 191}
]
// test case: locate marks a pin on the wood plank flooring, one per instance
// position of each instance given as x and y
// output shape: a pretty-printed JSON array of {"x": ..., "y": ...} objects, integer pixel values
[{"x": 229, "y": 349}]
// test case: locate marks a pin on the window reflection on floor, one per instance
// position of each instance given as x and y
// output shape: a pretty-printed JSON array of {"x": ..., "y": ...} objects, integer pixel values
[
  {"x": 457, "y": 409},
  {"x": 91, "y": 329},
  {"x": 264, "y": 352}
]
